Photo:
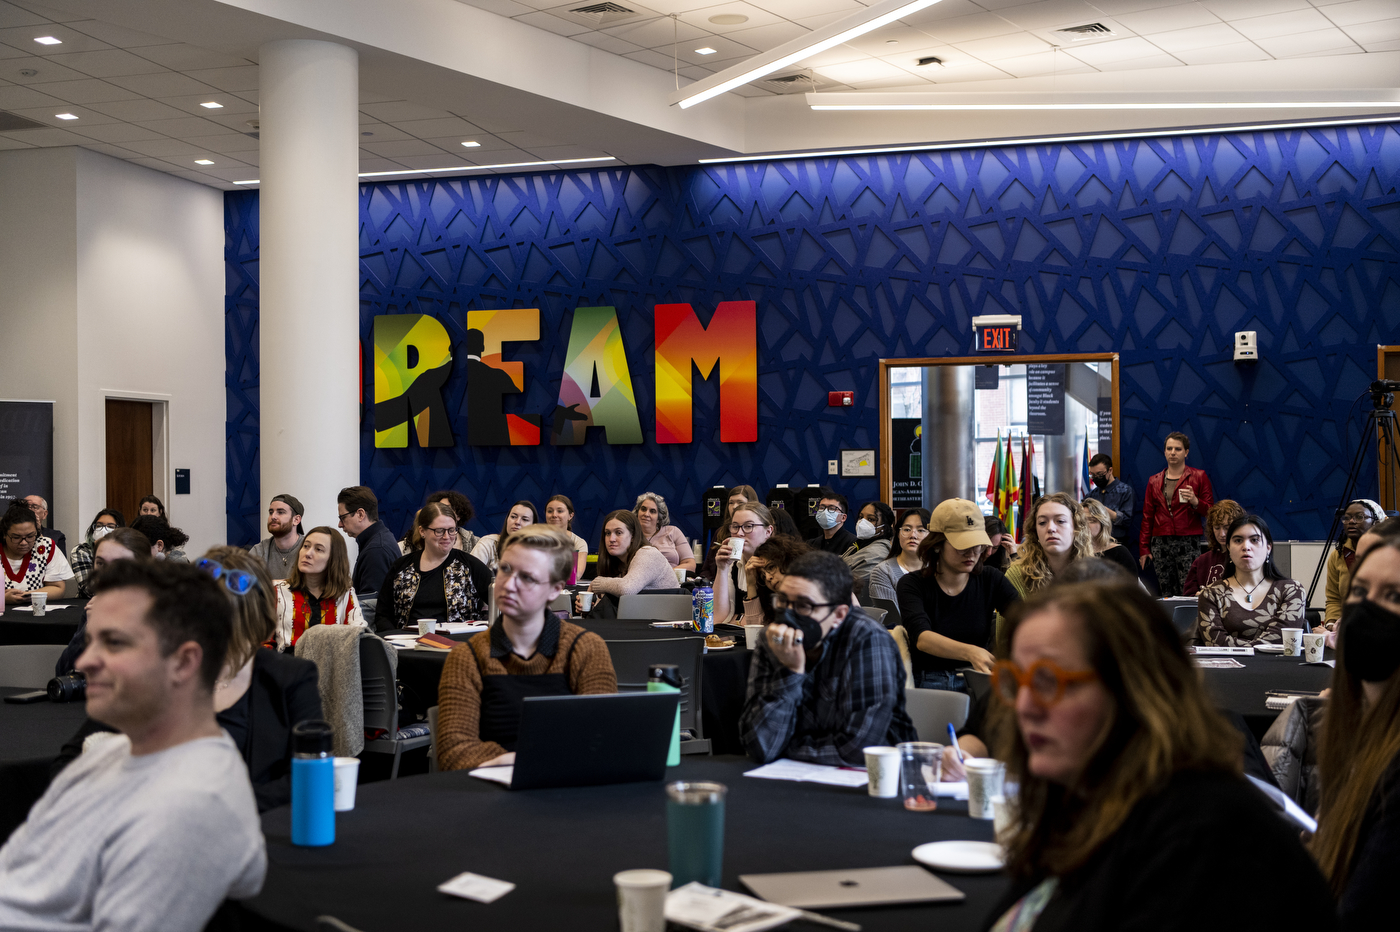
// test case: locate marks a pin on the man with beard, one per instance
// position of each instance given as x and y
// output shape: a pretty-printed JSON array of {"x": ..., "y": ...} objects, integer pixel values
[{"x": 279, "y": 551}]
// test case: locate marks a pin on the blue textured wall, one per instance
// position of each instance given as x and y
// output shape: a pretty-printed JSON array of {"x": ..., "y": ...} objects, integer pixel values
[{"x": 1159, "y": 249}]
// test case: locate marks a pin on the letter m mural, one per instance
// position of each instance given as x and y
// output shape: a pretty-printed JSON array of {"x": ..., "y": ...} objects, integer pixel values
[{"x": 730, "y": 341}]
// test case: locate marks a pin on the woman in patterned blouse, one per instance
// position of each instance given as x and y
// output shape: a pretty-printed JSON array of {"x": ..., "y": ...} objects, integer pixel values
[
  {"x": 1256, "y": 602},
  {"x": 435, "y": 581}
]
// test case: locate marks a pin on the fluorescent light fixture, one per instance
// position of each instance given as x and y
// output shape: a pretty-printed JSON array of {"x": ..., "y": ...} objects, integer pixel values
[
  {"x": 212, "y": 105},
  {"x": 472, "y": 144},
  {"x": 1047, "y": 140},
  {"x": 204, "y": 161},
  {"x": 468, "y": 168},
  {"x": 837, "y": 102},
  {"x": 48, "y": 40},
  {"x": 795, "y": 50},
  {"x": 706, "y": 51},
  {"x": 66, "y": 116}
]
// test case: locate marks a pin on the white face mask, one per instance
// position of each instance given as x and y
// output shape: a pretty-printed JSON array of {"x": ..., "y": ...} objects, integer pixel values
[
  {"x": 864, "y": 529},
  {"x": 827, "y": 520},
  {"x": 100, "y": 532}
]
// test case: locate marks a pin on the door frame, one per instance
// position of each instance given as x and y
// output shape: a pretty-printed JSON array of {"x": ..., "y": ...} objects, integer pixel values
[
  {"x": 160, "y": 438},
  {"x": 1382, "y": 486},
  {"x": 1010, "y": 360}
]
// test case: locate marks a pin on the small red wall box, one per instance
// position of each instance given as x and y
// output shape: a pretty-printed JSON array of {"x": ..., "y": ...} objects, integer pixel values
[{"x": 840, "y": 399}]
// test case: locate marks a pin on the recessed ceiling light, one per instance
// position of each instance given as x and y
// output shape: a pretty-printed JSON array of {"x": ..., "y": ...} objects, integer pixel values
[
  {"x": 729, "y": 19},
  {"x": 472, "y": 144},
  {"x": 66, "y": 116},
  {"x": 204, "y": 161},
  {"x": 212, "y": 105},
  {"x": 891, "y": 41},
  {"x": 48, "y": 40},
  {"x": 706, "y": 51}
]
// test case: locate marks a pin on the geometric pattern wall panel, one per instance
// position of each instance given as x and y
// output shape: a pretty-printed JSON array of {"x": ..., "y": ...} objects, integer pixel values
[{"x": 1158, "y": 248}]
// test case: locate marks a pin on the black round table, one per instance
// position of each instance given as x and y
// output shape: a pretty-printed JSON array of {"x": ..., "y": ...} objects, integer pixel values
[
  {"x": 30, "y": 738},
  {"x": 57, "y": 626},
  {"x": 561, "y": 848},
  {"x": 1244, "y": 690}
]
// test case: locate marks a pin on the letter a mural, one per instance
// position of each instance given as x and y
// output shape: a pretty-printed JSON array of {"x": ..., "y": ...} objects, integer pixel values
[
  {"x": 596, "y": 389},
  {"x": 730, "y": 341},
  {"x": 412, "y": 360}
]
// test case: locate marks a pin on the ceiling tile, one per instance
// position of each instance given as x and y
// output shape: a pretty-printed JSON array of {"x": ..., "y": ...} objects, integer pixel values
[
  {"x": 887, "y": 40},
  {"x": 756, "y": 17},
  {"x": 1243, "y": 9},
  {"x": 967, "y": 28},
  {"x": 116, "y": 132},
  {"x": 15, "y": 97},
  {"x": 551, "y": 23},
  {"x": 795, "y": 9},
  {"x": 648, "y": 57},
  {"x": 163, "y": 84},
  {"x": 1307, "y": 43},
  {"x": 1199, "y": 37},
  {"x": 1158, "y": 60},
  {"x": 529, "y": 140},
  {"x": 46, "y": 115},
  {"x": 605, "y": 42},
  {"x": 971, "y": 71},
  {"x": 233, "y": 106},
  {"x": 764, "y": 38},
  {"x": 908, "y": 59},
  {"x": 1051, "y": 62},
  {"x": 47, "y": 70},
  {"x": 944, "y": 10},
  {"x": 85, "y": 91},
  {"x": 107, "y": 63},
  {"x": 1361, "y": 11},
  {"x": 835, "y": 56},
  {"x": 1389, "y": 45},
  {"x": 446, "y": 126},
  {"x": 52, "y": 14},
  {"x": 182, "y": 57},
  {"x": 500, "y": 157},
  {"x": 1116, "y": 8},
  {"x": 383, "y": 132},
  {"x": 6, "y": 143},
  {"x": 554, "y": 153},
  {"x": 1222, "y": 54},
  {"x": 47, "y": 137},
  {"x": 117, "y": 36},
  {"x": 726, "y": 50},
  {"x": 1012, "y": 46},
  {"x": 160, "y": 165},
  {"x": 501, "y": 7},
  {"x": 183, "y": 126},
  {"x": 244, "y": 78},
  {"x": 373, "y": 163},
  {"x": 858, "y": 72},
  {"x": 1281, "y": 24},
  {"x": 1168, "y": 19},
  {"x": 1371, "y": 33},
  {"x": 11, "y": 15},
  {"x": 116, "y": 152},
  {"x": 22, "y": 37},
  {"x": 393, "y": 149},
  {"x": 396, "y": 110},
  {"x": 1050, "y": 14},
  {"x": 435, "y": 159},
  {"x": 163, "y": 148},
  {"x": 227, "y": 144},
  {"x": 748, "y": 90},
  {"x": 138, "y": 110},
  {"x": 655, "y": 33},
  {"x": 1101, "y": 53}
]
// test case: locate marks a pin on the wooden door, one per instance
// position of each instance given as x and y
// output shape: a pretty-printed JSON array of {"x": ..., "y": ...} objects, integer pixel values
[{"x": 130, "y": 466}]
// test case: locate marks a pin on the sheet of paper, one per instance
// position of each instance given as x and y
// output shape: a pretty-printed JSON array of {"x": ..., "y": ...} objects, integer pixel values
[
  {"x": 1291, "y": 810},
  {"x": 956, "y": 790},
  {"x": 700, "y": 907},
  {"x": 1223, "y": 651},
  {"x": 471, "y": 886},
  {"x": 501, "y": 775},
  {"x": 462, "y": 627},
  {"x": 1218, "y": 663},
  {"x": 30, "y": 608},
  {"x": 803, "y": 772},
  {"x": 1319, "y": 663}
]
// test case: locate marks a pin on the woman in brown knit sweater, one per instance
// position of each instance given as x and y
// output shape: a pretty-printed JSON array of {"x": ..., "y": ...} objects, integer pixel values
[{"x": 530, "y": 653}]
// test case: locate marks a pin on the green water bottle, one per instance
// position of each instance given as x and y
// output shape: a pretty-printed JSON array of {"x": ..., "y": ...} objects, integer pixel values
[{"x": 666, "y": 678}]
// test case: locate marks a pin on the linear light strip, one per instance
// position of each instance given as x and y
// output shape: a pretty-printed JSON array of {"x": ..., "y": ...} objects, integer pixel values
[
  {"x": 795, "y": 50},
  {"x": 1037, "y": 140},
  {"x": 467, "y": 168},
  {"x": 1101, "y": 105}
]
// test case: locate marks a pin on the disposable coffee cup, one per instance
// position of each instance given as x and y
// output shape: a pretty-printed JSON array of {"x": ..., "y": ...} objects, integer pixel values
[
  {"x": 984, "y": 782},
  {"x": 680, "y": 576},
  {"x": 1292, "y": 642},
  {"x": 752, "y": 633},
  {"x": 736, "y": 547},
  {"x": 882, "y": 766},
  {"x": 347, "y": 776},
  {"x": 1002, "y": 816},
  {"x": 585, "y": 601},
  {"x": 1181, "y": 495},
  {"x": 1312, "y": 647},
  {"x": 427, "y": 626},
  {"x": 641, "y": 900},
  {"x": 40, "y": 601}
]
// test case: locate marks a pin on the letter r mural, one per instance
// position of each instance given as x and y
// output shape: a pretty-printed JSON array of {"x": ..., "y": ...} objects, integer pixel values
[
  {"x": 412, "y": 360},
  {"x": 729, "y": 341}
]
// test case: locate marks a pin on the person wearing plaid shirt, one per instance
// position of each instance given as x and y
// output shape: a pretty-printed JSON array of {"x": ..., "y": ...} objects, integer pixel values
[{"x": 826, "y": 681}]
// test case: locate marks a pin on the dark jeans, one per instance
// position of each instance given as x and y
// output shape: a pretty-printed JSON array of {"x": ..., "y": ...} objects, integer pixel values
[
  {"x": 941, "y": 679},
  {"x": 1172, "y": 557}
]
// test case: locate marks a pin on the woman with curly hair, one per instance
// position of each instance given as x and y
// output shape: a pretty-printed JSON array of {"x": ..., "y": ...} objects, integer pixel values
[
  {"x": 1213, "y": 565},
  {"x": 1057, "y": 534},
  {"x": 654, "y": 520}
]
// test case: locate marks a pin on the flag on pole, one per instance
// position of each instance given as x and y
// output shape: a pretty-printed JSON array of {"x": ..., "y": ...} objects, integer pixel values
[
  {"x": 1028, "y": 484},
  {"x": 1085, "y": 482},
  {"x": 994, "y": 479},
  {"x": 1010, "y": 494}
]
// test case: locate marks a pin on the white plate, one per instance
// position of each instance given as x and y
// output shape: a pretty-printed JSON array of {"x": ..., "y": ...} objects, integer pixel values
[
  {"x": 961, "y": 857},
  {"x": 721, "y": 647},
  {"x": 1268, "y": 648}
]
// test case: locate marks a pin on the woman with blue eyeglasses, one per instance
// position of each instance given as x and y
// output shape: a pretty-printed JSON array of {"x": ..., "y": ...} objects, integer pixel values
[{"x": 317, "y": 590}]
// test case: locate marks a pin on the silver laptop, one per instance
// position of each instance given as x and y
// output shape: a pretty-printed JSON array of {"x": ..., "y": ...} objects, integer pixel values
[{"x": 870, "y": 886}]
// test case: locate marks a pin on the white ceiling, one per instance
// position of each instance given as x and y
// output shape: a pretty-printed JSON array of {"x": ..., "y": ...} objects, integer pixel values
[{"x": 135, "y": 72}]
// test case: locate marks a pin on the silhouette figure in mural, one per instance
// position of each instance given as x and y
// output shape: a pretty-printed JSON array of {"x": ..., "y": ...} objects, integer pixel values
[
  {"x": 487, "y": 424},
  {"x": 422, "y": 404},
  {"x": 563, "y": 418}
]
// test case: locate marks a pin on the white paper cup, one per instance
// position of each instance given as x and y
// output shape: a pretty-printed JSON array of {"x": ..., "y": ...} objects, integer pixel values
[
  {"x": 40, "y": 601},
  {"x": 1292, "y": 642},
  {"x": 984, "y": 782},
  {"x": 752, "y": 633},
  {"x": 427, "y": 626},
  {"x": 680, "y": 575},
  {"x": 1003, "y": 815},
  {"x": 882, "y": 765},
  {"x": 641, "y": 900},
  {"x": 585, "y": 601},
  {"x": 1312, "y": 646},
  {"x": 1181, "y": 495},
  {"x": 347, "y": 775}
]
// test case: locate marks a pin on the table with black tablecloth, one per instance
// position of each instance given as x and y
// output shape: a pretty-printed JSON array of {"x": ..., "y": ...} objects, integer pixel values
[
  {"x": 56, "y": 627},
  {"x": 1244, "y": 689},
  {"x": 561, "y": 848},
  {"x": 30, "y": 738}
]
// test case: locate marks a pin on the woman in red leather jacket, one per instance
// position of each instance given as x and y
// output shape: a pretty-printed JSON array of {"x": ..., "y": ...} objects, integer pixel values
[{"x": 1177, "y": 498}]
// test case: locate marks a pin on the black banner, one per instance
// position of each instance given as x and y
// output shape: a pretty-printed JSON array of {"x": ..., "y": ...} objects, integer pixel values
[
  {"x": 986, "y": 377},
  {"x": 1105, "y": 407},
  {"x": 1045, "y": 398},
  {"x": 26, "y": 451},
  {"x": 906, "y": 462}
]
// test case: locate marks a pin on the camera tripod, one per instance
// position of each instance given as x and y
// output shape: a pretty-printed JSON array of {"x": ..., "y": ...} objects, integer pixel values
[{"x": 1380, "y": 424}]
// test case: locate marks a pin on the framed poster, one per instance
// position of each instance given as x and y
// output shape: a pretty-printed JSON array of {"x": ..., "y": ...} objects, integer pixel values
[
  {"x": 857, "y": 462},
  {"x": 26, "y": 451}
]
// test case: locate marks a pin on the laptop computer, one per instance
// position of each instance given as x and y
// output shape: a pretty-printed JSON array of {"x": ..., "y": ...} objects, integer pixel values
[
  {"x": 593, "y": 740},
  {"x": 870, "y": 886}
]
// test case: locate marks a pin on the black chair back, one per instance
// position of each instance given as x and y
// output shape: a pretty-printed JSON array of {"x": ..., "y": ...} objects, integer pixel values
[
  {"x": 630, "y": 660},
  {"x": 377, "y": 682},
  {"x": 891, "y": 612}
]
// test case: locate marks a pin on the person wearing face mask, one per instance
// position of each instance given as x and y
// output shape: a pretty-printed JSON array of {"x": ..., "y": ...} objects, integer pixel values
[
  {"x": 318, "y": 590},
  {"x": 874, "y": 532},
  {"x": 949, "y": 606},
  {"x": 1255, "y": 602},
  {"x": 826, "y": 680},
  {"x": 1112, "y": 493},
  {"x": 1212, "y": 566},
  {"x": 1131, "y": 801},
  {"x": 913, "y": 528},
  {"x": 1360, "y": 516},
  {"x": 107, "y": 520},
  {"x": 1357, "y": 844},
  {"x": 831, "y": 518},
  {"x": 1057, "y": 534},
  {"x": 750, "y": 528}
]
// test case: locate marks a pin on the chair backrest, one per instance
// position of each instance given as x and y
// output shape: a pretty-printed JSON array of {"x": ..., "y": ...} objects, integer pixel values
[
  {"x": 901, "y": 638},
  {"x": 651, "y": 605},
  {"x": 933, "y": 710},
  {"x": 28, "y": 666},
  {"x": 1184, "y": 619},
  {"x": 891, "y": 612},
  {"x": 876, "y": 613},
  {"x": 979, "y": 685},
  {"x": 381, "y": 699},
  {"x": 368, "y": 607},
  {"x": 630, "y": 660},
  {"x": 432, "y": 743},
  {"x": 1312, "y": 620}
]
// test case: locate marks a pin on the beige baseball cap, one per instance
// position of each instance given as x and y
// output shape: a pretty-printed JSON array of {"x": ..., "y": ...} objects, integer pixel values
[{"x": 960, "y": 521}]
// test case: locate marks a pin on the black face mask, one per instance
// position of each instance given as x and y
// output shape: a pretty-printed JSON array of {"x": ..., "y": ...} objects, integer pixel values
[
  {"x": 1100, "y": 481},
  {"x": 811, "y": 630},
  {"x": 1372, "y": 636}
]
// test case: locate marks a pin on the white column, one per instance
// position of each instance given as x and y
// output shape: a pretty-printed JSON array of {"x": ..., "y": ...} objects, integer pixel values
[{"x": 309, "y": 263}]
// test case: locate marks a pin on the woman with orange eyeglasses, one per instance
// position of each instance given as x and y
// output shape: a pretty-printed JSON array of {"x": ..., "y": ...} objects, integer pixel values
[{"x": 1132, "y": 811}]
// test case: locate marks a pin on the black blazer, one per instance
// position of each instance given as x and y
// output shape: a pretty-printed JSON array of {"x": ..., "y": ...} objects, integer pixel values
[{"x": 283, "y": 692}]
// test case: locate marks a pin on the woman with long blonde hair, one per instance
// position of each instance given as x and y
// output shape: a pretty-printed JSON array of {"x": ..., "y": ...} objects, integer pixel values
[
  {"x": 1057, "y": 534},
  {"x": 1101, "y": 535}
]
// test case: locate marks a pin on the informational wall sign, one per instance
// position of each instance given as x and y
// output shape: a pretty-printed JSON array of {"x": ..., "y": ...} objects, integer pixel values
[
  {"x": 1105, "y": 410},
  {"x": 907, "y": 462},
  {"x": 26, "y": 451},
  {"x": 986, "y": 377},
  {"x": 1045, "y": 398}
]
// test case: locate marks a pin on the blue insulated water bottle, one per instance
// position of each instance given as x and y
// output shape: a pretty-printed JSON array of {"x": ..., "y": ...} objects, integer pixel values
[
  {"x": 313, "y": 784},
  {"x": 666, "y": 678}
]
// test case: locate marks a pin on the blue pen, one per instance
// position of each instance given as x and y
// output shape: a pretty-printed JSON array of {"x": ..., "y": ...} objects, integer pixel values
[{"x": 953, "y": 737}]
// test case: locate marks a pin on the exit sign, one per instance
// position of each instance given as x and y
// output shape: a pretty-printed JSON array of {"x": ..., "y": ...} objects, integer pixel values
[{"x": 1001, "y": 339}]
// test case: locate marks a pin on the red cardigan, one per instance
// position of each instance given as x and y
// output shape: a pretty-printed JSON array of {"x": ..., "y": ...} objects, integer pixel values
[{"x": 1177, "y": 520}]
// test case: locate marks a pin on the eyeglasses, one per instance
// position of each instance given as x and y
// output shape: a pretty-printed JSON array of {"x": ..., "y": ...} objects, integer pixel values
[
  {"x": 441, "y": 533},
  {"x": 829, "y": 509},
  {"x": 800, "y": 606},
  {"x": 745, "y": 528},
  {"x": 236, "y": 581},
  {"x": 524, "y": 580},
  {"x": 1046, "y": 679},
  {"x": 342, "y": 515},
  {"x": 26, "y": 539}
]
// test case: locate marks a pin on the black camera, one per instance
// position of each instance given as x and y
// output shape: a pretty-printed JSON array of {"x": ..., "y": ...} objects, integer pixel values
[{"x": 69, "y": 688}]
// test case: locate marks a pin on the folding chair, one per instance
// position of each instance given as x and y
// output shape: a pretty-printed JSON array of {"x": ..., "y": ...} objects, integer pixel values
[
  {"x": 892, "y": 617},
  {"x": 631, "y": 659},
  {"x": 933, "y": 710},
  {"x": 381, "y": 703}
]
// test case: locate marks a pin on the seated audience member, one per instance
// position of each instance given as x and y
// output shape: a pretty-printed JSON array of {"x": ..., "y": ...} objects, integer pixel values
[
  {"x": 412, "y": 538},
  {"x": 949, "y": 606},
  {"x": 107, "y": 520},
  {"x": 1003, "y": 544},
  {"x": 1256, "y": 602},
  {"x": 40, "y": 506},
  {"x": 120, "y": 543},
  {"x": 1357, "y": 844},
  {"x": 1101, "y": 536},
  {"x": 279, "y": 551},
  {"x": 463, "y": 508},
  {"x": 156, "y": 827},
  {"x": 559, "y": 512},
  {"x": 753, "y": 525},
  {"x": 150, "y": 505},
  {"x": 876, "y": 522},
  {"x": 530, "y": 652},
  {"x": 1213, "y": 565},
  {"x": 831, "y": 518},
  {"x": 437, "y": 581},
  {"x": 783, "y": 523},
  {"x": 166, "y": 541},
  {"x": 1056, "y": 535},
  {"x": 1131, "y": 797},
  {"x": 827, "y": 680},
  {"x": 32, "y": 563},
  {"x": 627, "y": 565},
  {"x": 654, "y": 519},
  {"x": 766, "y": 569},
  {"x": 737, "y": 496},
  {"x": 318, "y": 590},
  {"x": 1359, "y": 517},
  {"x": 909, "y": 534},
  {"x": 488, "y": 548},
  {"x": 376, "y": 548}
]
